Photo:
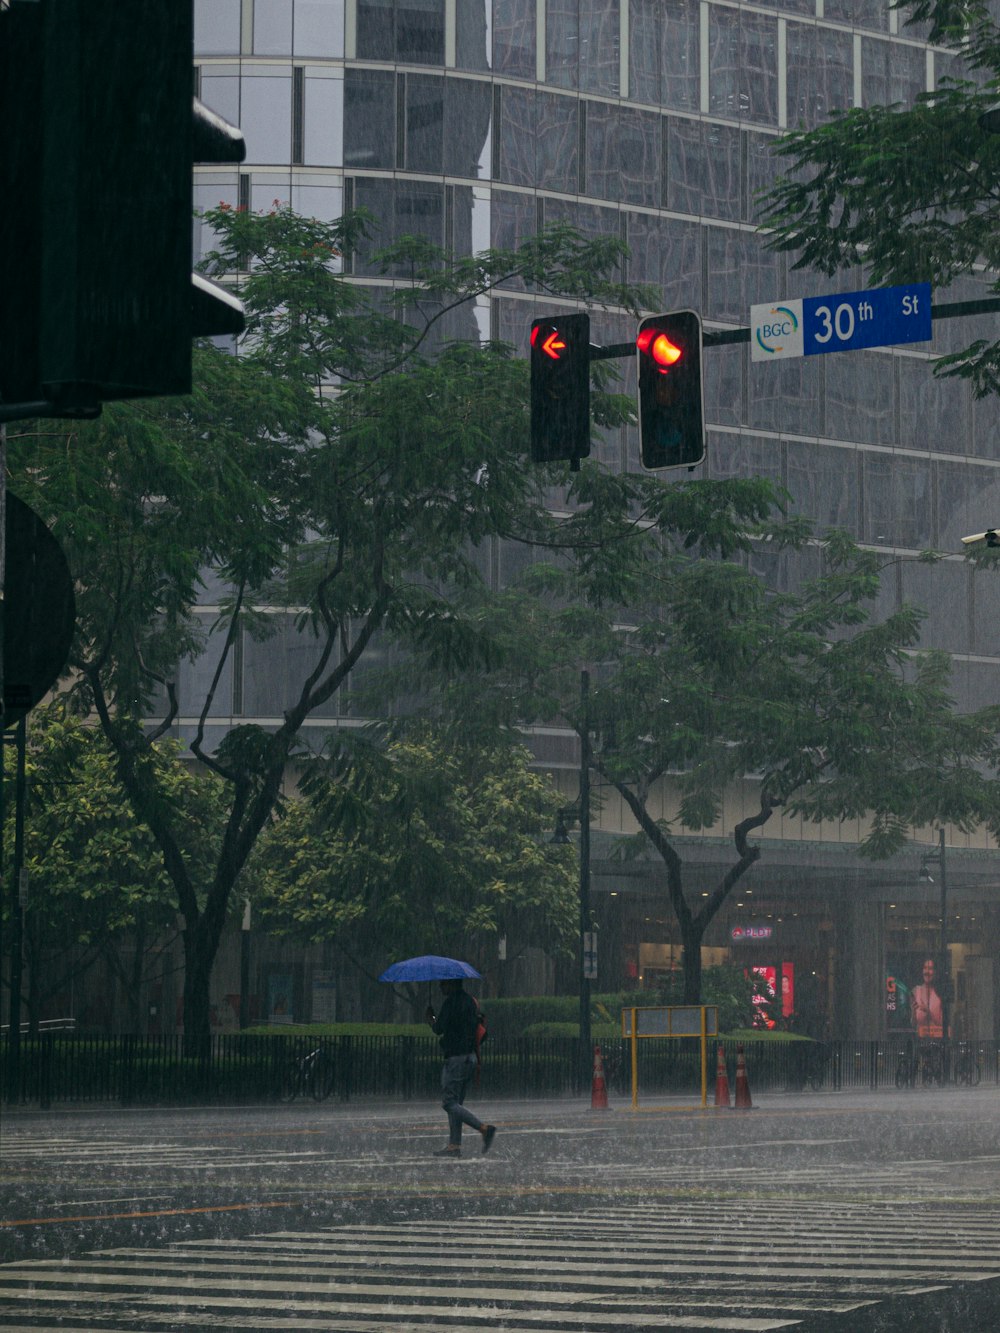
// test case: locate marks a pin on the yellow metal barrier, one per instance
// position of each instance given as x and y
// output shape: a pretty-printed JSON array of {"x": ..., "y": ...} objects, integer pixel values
[{"x": 675, "y": 1020}]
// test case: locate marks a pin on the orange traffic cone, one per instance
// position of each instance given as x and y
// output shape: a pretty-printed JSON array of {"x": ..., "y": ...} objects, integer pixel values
[
  {"x": 599, "y": 1090},
  {"x": 721, "y": 1080},
  {"x": 743, "y": 1102}
]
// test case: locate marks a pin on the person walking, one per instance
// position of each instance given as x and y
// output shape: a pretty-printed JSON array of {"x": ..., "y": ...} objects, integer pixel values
[{"x": 456, "y": 1026}]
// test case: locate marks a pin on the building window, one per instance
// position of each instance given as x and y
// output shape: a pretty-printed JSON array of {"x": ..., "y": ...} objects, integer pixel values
[
  {"x": 514, "y": 38},
  {"x": 891, "y": 72},
  {"x": 743, "y": 65},
  {"x": 704, "y": 169},
  {"x": 872, "y": 14},
  {"x": 408, "y": 31},
  {"x": 623, "y": 154},
  {"x": 217, "y": 27},
  {"x": 582, "y": 44},
  {"x": 820, "y": 73},
  {"x": 664, "y": 41},
  {"x": 369, "y": 118},
  {"x": 401, "y": 208},
  {"x": 424, "y": 127}
]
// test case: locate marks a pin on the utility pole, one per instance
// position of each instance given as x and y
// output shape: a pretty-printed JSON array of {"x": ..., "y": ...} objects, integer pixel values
[{"x": 585, "y": 925}]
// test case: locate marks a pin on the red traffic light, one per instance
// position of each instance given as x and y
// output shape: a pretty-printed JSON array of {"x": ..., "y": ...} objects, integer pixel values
[
  {"x": 560, "y": 388},
  {"x": 552, "y": 343},
  {"x": 655, "y": 344},
  {"x": 671, "y": 399}
]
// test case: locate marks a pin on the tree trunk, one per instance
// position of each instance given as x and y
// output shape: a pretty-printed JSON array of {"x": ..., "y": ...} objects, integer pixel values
[
  {"x": 691, "y": 937},
  {"x": 199, "y": 957}
]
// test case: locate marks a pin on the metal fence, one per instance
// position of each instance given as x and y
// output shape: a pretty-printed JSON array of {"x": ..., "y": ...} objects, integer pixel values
[{"x": 60, "y": 1067}]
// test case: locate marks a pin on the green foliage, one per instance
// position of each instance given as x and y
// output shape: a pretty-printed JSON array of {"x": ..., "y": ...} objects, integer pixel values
[
  {"x": 95, "y": 873},
  {"x": 349, "y": 467},
  {"x": 729, "y": 987},
  {"x": 705, "y": 675},
  {"x": 419, "y": 846}
]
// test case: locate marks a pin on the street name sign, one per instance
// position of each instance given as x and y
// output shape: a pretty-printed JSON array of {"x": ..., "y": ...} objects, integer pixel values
[{"x": 843, "y": 322}]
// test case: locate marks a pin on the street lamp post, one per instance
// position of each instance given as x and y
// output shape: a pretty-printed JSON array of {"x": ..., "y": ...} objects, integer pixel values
[
  {"x": 581, "y": 812},
  {"x": 938, "y": 858},
  {"x": 584, "y": 878}
]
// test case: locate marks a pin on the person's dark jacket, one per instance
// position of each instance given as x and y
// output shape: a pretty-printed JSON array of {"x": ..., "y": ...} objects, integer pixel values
[{"x": 456, "y": 1024}]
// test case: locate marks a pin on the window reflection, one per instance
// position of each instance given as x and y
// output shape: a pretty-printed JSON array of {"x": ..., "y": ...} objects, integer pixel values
[
  {"x": 403, "y": 208},
  {"x": 424, "y": 123},
  {"x": 741, "y": 273},
  {"x": 466, "y": 126},
  {"x": 823, "y": 483},
  {"x": 862, "y": 13},
  {"x": 410, "y": 31},
  {"x": 787, "y": 395},
  {"x": 703, "y": 169},
  {"x": 934, "y": 413},
  {"x": 897, "y": 500},
  {"x": 743, "y": 65},
  {"x": 667, "y": 253},
  {"x": 664, "y": 37},
  {"x": 820, "y": 73},
  {"x": 623, "y": 154},
  {"x": 859, "y": 397},
  {"x": 891, "y": 72},
  {"x": 514, "y": 38},
  {"x": 369, "y": 118},
  {"x": 943, "y": 591}
]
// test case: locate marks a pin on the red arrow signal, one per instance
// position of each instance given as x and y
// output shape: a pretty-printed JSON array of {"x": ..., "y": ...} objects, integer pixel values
[{"x": 552, "y": 343}]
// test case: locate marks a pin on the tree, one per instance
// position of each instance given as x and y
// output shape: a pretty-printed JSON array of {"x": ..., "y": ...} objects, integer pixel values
[
  {"x": 908, "y": 193},
  {"x": 92, "y": 869},
  {"x": 703, "y": 678},
  {"x": 339, "y": 469},
  {"x": 425, "y": 847}
]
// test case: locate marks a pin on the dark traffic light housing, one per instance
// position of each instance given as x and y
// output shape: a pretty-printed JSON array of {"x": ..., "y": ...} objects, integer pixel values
[
  {"x": 95, "y": 244},
  {"x": 560, "y": 389},
  {"x": 671, "y": 404}
]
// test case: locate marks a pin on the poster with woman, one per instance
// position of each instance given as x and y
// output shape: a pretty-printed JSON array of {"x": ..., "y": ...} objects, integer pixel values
[{"x": 913, "y": 1000}]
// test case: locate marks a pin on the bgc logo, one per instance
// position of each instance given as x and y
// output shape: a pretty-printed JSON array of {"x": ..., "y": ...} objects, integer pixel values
[{"x": 777, "y": 331}]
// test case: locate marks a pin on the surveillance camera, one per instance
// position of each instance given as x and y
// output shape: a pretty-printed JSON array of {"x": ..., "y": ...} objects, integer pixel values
[{"x": 988, "y": 538}]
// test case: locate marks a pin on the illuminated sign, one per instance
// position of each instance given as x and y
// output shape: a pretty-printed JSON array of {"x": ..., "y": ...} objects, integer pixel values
[{"x": 750, "y": 934}]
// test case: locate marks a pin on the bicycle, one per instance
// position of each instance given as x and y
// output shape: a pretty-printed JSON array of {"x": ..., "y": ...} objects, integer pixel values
[
  {"x": 816, "y": 1066},
  {"x": 967, "y": 1065},
  {"x": 311, "y": 1074},
  {"x": 932, "y": 1064},
  {"x": 906, "y": 1067}
]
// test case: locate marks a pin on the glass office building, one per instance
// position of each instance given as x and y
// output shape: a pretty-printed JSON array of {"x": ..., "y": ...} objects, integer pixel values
[{"x": 475, "y": 122}]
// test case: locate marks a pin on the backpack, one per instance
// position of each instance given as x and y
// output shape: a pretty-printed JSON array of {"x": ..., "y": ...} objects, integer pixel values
[{"x": 482, "y": 1032}]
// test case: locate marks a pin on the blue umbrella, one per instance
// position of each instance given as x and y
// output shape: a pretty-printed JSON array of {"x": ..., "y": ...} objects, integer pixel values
[{"x": 428, "y": 967}]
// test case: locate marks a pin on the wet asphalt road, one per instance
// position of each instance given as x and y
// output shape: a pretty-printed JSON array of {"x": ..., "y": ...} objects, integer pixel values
[{"x": 848, "y": 1212}]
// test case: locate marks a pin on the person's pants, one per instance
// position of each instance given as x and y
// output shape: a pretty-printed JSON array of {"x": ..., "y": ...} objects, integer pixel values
[{"x": 455, "y": 1077}]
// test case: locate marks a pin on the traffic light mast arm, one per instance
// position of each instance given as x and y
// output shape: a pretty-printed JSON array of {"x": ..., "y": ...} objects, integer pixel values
[{"x": 989, "y": 305}]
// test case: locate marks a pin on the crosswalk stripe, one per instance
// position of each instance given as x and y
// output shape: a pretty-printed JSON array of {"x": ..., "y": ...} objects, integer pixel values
[
  {"x": 484, "y": 1319},
  {"x": 656, "y": 1265}
]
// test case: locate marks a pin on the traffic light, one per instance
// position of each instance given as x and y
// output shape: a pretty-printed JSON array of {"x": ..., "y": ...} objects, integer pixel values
[
  {"x": 560, "y": 389},
  {"x": 671, "y": 408},
  {"x": 95, "y": 244}
]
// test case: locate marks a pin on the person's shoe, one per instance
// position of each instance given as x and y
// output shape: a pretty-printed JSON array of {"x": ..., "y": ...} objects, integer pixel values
[
  {"x": 451, "y": 1151},
  {"x": 489, "y": 1134}
]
